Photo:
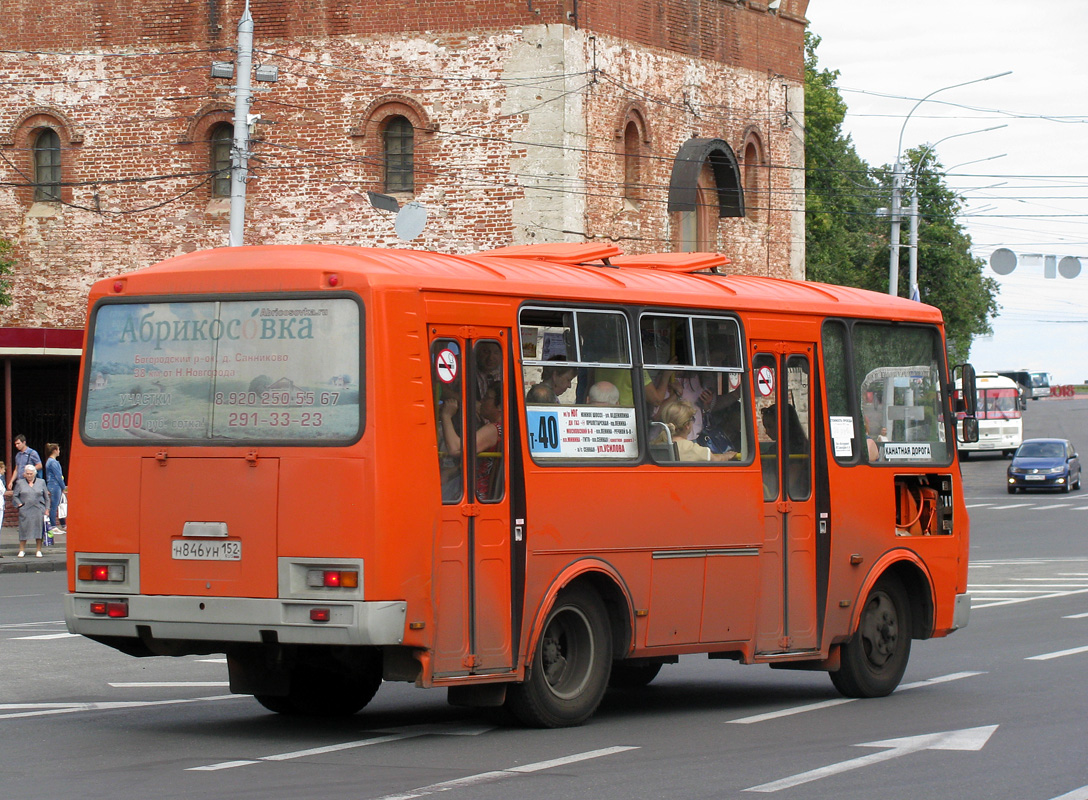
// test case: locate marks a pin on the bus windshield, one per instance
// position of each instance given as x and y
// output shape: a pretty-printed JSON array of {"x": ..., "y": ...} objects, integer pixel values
[
  {"x": 274, "y": 369},
  {"x": 998, "y": 404},
  {"x": 900, "y": 390}
]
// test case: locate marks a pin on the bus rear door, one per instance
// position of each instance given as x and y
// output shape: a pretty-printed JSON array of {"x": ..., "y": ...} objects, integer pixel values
[
  {"x": 472, "y": 548},
  {"x": 787, "y": 612}
]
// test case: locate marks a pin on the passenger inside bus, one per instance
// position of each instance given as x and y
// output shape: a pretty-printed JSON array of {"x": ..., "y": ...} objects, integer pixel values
[
  {"x": 541, "y": 394},
  {"x": 488, "y": 442},
  {"x": 678, "y": 415},
  {"x": 558, "y": 379},
  {"x": 489, "y": 457},
  {"x": 603, "y": 393},
  {"x": 488, "y": 366}
]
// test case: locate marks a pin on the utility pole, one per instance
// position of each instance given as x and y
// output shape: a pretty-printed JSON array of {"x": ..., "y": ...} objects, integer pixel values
[
  {"x": 897, "y": 184},
  {"x": 240, "y": 151},
  {"x": 893, "y": 262}
]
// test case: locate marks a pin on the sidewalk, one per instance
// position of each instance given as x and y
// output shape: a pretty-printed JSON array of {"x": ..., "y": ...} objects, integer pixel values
[{"x": 54, "y": 559}]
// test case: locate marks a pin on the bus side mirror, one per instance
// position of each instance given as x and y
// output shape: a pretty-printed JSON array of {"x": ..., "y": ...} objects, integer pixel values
[
  {"x": 968, "y": 430},
  {"x": 968, "y": 390}
]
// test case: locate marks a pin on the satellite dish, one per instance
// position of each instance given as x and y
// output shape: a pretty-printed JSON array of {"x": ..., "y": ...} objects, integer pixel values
[
  {"x": 1003, "y": 261},
  {"x": 410, "y": 221},
  {"x": 1069, "y": 267}
]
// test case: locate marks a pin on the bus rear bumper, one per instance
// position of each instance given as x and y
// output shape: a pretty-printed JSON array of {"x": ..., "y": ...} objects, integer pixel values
[
  {"x": 961, "y": 613},
  {"x": 239, "y": 619}
]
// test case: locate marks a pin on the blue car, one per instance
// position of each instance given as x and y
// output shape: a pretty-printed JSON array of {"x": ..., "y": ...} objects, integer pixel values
[{"x": 1044, "y": 464}]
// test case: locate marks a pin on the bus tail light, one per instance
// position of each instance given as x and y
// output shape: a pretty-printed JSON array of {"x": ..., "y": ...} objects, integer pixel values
[
  {"x": 109, "y": 608},
  {"x": 111, "y": 573},
  {"x": 332, "y": 578}
]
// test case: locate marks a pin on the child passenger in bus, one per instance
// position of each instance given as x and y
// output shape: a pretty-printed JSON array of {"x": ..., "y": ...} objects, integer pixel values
[{"x": 679, "y": 416}]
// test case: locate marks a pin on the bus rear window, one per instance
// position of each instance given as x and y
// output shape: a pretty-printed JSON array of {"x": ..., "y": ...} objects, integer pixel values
[{"x": 271, "y": 370}]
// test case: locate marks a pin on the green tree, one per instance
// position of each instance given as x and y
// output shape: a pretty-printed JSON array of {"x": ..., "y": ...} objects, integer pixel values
[
  {"x": 842, "y": 235},
  {"x": 847, "y": 241},
  {"x": 949, "y": 277},
  {"x": 7, "y": 268}
]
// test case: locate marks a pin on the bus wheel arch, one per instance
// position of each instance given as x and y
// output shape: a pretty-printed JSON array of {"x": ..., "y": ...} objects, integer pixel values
[
  {"x": 897, "y": 608},
  {"x": 572, "y": 652}
]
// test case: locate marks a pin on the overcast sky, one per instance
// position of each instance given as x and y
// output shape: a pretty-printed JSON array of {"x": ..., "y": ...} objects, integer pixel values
[{"x": 891, "y": 54}]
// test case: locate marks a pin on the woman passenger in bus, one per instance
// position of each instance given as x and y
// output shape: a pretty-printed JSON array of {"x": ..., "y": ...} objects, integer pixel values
[
  {"x": 558, "y": 379},
  {"x": 679, "y": 416}
]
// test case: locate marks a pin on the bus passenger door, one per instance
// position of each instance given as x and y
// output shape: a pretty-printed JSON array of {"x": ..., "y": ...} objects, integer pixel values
[
  {"x": 472, "y": 548},
  {"x": 787, "y": 612}
]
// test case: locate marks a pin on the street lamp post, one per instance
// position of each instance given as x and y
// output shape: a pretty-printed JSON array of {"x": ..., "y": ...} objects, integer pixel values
[
  {"x": 897, "y": 175},
  {"x": 915, "y": 294}
]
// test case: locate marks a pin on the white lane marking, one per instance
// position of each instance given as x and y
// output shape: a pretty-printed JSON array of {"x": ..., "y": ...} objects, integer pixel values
[
  {"x": 966, "y": 739},
  {"x": 1077, "y": 616},
  {"x": 170, "y": 684},
  {"x": 497, "y": 775},
  {"x": 302, "y": 753},
  {"x": 978, "y": 505},
  {"x": 1081, "y": 508},
  {"x": 7, "y": 625},
  {"x": 1047, "y": 656},
  {"x": 1014, "y": 505},
  {"x": 409, "y": 732},
  {"x": 1056, "y": 505},
  {"x": 1076, "y": 794},
  {"x": 786, "y": 712},
  {"x": 213, "y": 660},
  {"x": 47, "y": 709},
  {"x": 46, "y": 636},
  {"x": 1014, "y": 600}
]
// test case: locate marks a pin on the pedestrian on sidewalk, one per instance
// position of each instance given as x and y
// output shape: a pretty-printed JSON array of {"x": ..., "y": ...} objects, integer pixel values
[
  {"x": 23, "y": 455},
  {"x": 54, "y": 482},
  {"x": 31, "y": 497}
]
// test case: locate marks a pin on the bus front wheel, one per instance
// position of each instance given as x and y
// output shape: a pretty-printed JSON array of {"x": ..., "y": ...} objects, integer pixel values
[
  {"x": 570, "y": 668},
  {"x": 875, "y": 657}
]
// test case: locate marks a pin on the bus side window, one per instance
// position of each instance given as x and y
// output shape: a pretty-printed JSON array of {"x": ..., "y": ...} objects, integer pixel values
[{"x": 446, "y": 372}]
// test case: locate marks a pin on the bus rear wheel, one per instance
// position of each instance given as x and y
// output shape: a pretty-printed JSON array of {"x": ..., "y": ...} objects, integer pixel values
[
  {"x": 322, "y": 685},
  {"x": 874, "y": 659},
  {"x": 570, "y": 668}
]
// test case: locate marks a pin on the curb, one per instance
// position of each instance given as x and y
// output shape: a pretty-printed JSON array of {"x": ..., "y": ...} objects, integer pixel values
[{"x": 31, "y": 564}]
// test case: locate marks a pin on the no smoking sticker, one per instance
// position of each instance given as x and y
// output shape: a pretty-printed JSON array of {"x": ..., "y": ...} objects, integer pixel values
[
  {"x": 765, "y": 381},
  {"x": 445, "y": 364}
]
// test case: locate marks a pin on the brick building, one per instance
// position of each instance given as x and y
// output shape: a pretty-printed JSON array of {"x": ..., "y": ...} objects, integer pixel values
[{"x": 657, "y": 124}]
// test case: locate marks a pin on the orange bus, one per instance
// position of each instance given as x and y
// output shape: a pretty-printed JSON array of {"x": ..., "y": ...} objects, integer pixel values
[{"x": 523, "y": 475}]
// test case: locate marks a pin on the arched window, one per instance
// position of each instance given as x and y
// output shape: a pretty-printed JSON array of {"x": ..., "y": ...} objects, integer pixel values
[
  {"x": 46, "y": 166},
  {"x": 398, "y": 139},
  {"x": 221, "y": 140},
  {"x": 758, "y": 204},
  {"x": 704, "y": 187},
  {"x": 632, "y": 162}
]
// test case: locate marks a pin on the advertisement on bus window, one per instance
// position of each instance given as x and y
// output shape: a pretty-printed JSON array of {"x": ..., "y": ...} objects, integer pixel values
[{"x": 279, "y": 370}]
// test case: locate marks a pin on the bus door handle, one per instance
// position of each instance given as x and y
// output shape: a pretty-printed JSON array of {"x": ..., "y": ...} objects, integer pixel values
[
  {"x": 785, "y": 506},
  {"x": 470, "y": 510}
]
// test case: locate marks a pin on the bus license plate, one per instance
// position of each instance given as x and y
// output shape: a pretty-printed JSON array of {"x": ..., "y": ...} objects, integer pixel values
[{"x": 204, "y": 550}]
